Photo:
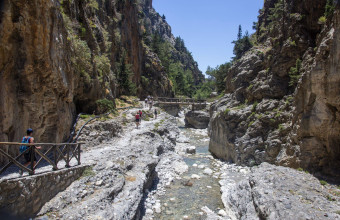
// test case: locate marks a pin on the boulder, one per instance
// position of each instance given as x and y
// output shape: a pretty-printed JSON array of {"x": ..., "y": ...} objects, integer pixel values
[
  {"x": 197, "y": 119},
  {"x": 191, "y": 150}
]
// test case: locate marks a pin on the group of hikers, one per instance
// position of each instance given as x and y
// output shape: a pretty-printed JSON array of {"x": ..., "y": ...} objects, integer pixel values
[
  {"x": 148, "y": 102},
  {"x": 139, "y": 114}
]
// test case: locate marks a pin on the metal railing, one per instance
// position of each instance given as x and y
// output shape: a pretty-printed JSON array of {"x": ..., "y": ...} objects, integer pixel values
[{"x": 53, "y": 155}]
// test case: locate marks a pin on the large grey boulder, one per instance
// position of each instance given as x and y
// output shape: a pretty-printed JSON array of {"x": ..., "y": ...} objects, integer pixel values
[
  {"x": 197, "y": 119},
  {"x": 275, "y": 192}
]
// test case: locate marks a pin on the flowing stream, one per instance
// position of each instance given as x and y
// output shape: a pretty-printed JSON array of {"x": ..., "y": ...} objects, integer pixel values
[{"x": 185, "y": 197}]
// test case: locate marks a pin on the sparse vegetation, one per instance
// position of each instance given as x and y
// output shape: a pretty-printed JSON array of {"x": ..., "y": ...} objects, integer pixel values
[
  {"x": 226, "y": 111},
  {"x": 322, "y": 182},
  {"x": 294, "y": 73},
  {"x": 85, "y": 116},
  {"x": 253, "y": 109},
  {"x": 88, "y": 172},
  {"x": 251, "y": 123},
  {"x": 329, "y": 8}
]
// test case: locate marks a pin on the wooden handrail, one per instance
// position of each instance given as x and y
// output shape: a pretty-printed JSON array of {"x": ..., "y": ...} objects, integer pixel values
[
  {"x": 39, "y": 144},
  {"x": 72, "y": 151}
]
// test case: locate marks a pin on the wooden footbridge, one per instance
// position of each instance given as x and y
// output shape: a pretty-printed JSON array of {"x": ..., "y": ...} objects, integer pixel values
[
  {"x": 50, "y": 152},
  {"x": 181, "y": 101}
]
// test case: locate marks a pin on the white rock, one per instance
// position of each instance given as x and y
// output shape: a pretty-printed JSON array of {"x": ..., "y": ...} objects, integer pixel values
[
  {"x": 157, "y": 207},
  {"x": 191, "y": 150},
  {"x": 195, "y": 176},
  {"x": 208, "y": 171},
  {"x": 180, "y": 167},
  {"x": 99, "y": 183},
  {"x": 222, "y": 213},
  {"x": 209, "y": 187},
  {"x": 109, "y": 164},
  {"x": 194, "y": 165},
  {"x": 172, "y": 199},
  {"x": 185, "y": 217},
  {"x": 201, "y": 166},
  {"x": 201, "y": 213},
  {"x": 149, "y": 211}
]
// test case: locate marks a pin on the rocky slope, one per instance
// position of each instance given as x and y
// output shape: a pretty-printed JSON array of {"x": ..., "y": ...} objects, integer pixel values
[
  {"x": 275, "y": 192},
  {"x": 59, "y": 58},
  {"x": 123, "y": 170},
  {"x": 281, "y": 103}
]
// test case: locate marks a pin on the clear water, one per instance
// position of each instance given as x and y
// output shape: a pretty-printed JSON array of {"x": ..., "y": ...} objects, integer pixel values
[{"x": 180, "y": 200}]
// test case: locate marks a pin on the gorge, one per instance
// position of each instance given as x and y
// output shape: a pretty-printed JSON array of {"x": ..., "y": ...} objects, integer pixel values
[{"x": 267, "y": 145}]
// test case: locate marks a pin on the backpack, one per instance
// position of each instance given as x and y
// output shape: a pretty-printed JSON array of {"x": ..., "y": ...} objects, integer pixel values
[{"x": 25, "y": 140}]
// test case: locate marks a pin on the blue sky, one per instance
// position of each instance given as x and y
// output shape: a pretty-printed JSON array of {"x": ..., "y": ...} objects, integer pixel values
[{"x": 209, "y": 27}]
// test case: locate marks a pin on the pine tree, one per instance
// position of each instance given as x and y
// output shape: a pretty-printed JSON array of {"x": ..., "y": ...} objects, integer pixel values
[{"x": 239, "y": 35}]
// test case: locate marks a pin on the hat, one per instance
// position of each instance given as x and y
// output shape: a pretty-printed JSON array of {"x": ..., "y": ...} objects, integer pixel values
[{"x": 30, "y": 130}]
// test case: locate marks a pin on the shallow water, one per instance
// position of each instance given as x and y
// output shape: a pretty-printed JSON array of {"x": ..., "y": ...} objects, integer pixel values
[{"x": 180, "y": 200}]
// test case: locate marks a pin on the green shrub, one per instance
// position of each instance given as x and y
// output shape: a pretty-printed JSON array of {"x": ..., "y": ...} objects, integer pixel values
[
  {"x": 322, "y": 182},
  {"x": 251, "y": 123},
  {"x": 105, "y": 105},
  {"x": 294, "y": 73},
  {"x": 253, "y": 109},
  {"x": 92, "y": 4},
  {"x": 226, "y": 111},
  {"x": 103, "y": 66},
  {"x": 281, "y": 127},
  {"x": 322, "y": 20},
  {"x": 329, "y": 8}
]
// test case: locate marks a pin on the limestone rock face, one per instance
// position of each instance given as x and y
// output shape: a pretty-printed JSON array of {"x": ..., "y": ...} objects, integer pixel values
[
  {"x": 274, "y": 192},
  {"x": 197, "y": 119},
  {"x": 267, "y": 115},
  {"x": 317, "y": 112},
  {"x": 37, "y": 86}
]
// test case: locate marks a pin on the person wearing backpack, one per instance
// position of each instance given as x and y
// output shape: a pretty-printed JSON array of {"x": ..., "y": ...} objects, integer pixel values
[
  {"x": 137, "y": 116},
  {"x": 28, "y": 139}
]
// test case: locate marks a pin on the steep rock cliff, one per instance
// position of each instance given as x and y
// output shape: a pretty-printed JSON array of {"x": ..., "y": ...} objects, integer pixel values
[
  {"x": 58, "y": 58},
  {"x": 268, "y": 114}
]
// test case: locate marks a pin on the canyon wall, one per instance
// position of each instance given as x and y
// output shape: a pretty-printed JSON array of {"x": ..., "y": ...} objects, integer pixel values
[
  {"x": 59, "y": 58},
  {"x": 281, "y": 103}
]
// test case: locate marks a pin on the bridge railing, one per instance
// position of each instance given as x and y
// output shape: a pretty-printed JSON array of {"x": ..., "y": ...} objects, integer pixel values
[
  {"x": 50, "y": 152},
  {"x": 180, "y": 100}
]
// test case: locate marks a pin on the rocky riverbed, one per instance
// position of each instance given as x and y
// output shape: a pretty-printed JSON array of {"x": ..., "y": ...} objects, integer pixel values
[{"x": 164, "y": 171}]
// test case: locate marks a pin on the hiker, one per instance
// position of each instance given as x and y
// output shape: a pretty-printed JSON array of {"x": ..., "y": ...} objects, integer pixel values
[
  {"x": 150, "y": 104},
  {"x": 137, "y": 116},
  {"x": 28, "y": 139},
  {"x": 146, "y": 103},
  {"x": 140, "y": 116},
  {"x": 155, "y": 112}
]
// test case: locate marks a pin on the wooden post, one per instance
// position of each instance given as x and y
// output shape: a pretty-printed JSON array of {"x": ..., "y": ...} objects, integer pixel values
[
  {"x": 32, "y": 159},
  {"x": 55, "y": 156},
  {"x": 67, "y": 156},
  {"x": 79, "y": 154}
]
